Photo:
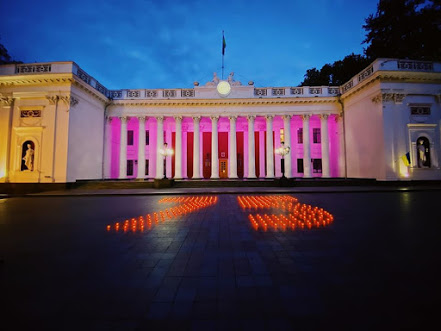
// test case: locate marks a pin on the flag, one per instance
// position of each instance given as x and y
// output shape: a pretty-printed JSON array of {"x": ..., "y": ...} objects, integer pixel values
[
  {"x": 406, "y": 159},
  {"x": 224, "y": 44}
]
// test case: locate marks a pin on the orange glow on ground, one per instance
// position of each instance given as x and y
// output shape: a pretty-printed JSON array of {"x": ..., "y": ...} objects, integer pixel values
[
  {"x": 292, "y": 214},
  {"x": 185, "y": 206}
]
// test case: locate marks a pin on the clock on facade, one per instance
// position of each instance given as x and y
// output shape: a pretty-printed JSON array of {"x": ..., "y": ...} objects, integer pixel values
[{"x": 223, "y": 88}]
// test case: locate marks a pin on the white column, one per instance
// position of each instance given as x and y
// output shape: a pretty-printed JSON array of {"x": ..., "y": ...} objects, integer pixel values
[
  {"x": 232, "y": 148},
  {"x": 123, "y": 149},
  {"x": 306, "y": 147},
  {"x": 159, "y": 146},
  {"x": 178, "y": 147},
  {"x": 269, "y": 147},
  {"x": 196, "y": 149},
  {"x": 141, "y": 147},
  {"x": 251, "y": 146},
  {"x": 325, "y": 144},
  {"x": 107, "y": 147},
  {"x": 214, "y": 148},
  {"x": 287, "y": 133},
  {"x": 341, "y": 148}
]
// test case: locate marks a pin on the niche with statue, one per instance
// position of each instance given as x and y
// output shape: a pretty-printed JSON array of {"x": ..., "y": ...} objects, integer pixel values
[{"x": 27, "y": 156}]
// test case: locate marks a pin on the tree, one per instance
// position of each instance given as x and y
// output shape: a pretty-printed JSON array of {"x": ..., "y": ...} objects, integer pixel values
[
  {"x": 337, "y": 73},
  {"x": 5, "y": 57},
  {"x": 404, "y": 29}
]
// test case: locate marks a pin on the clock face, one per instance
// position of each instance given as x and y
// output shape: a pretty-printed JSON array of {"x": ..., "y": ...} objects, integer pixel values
[{"x": 223, "y": 88}]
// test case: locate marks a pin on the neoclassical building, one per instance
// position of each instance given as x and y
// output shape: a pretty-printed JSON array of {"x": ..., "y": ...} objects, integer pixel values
[{"x": 59, "y": 124}]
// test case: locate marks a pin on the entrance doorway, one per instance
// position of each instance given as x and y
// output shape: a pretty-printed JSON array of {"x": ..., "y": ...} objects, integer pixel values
[{"x": 223, "y": 168}]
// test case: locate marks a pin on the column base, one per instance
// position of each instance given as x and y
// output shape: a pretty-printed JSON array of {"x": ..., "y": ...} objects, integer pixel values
[
  {"x": 251, "y": 177},
  {"x": 214, "y": 177}
]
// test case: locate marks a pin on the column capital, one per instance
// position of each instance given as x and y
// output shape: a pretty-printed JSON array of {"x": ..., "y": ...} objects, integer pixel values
[
  {"x": 305, "y": 117},
  {"x": 160, "y": 118},
  {"x": 287, "y": 116},
  {"x": 178, "y": 118},
  {"x": 5, "y": 100},
  {"x": 214, "y": 118},
  {"x": 123, "y": 119},
  {"x": 324, "y": 116},
  {"x": 269, "y": 117},
  {"x": 196, "y": 119},
  {"x": 109, "y": 119},
  {"x": 251, "y": 117},
  {"x": 141, "y": 118},
  {"x": 232, "y": 117}
]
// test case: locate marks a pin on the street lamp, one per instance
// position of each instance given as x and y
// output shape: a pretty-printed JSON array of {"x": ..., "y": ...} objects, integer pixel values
[
  {"x": 282, "y": 151},
  {"x": 165, "y": 152}
]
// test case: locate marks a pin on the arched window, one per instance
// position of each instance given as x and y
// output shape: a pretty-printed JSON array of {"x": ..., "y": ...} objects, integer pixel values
[
  {"x": 423, "y": 152},
  {"x": 27, "y": 155}
]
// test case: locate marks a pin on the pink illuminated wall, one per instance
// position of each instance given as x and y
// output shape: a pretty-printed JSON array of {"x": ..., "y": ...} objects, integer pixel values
[{"x": 296, "y": 151}]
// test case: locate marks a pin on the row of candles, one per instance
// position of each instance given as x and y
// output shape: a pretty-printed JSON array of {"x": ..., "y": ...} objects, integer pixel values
[
  {"x": 186, "y": 205},
  {"x": 298, "y": 215},
  {"x": 284, "y": 202}
]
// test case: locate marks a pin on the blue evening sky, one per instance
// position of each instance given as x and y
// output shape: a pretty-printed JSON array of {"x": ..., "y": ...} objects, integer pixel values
[{"x": 172, "y": 43}]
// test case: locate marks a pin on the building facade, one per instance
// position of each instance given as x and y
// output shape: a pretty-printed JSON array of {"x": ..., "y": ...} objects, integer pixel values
[{"x": 59, "y": 124}]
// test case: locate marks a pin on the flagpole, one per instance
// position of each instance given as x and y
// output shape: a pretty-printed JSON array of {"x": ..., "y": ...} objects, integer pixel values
[{"x": 223, "y": 38}]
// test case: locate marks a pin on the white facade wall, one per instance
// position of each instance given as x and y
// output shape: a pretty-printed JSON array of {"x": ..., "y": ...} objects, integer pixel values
[{"x": 86, "y": 138}]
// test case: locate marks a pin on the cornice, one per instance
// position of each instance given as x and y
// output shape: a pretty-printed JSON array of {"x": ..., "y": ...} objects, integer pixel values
[
  {"x": 224, "y": 102},
  {"x": 30, "y": 80},
  {"x": 395, "y": 76}
]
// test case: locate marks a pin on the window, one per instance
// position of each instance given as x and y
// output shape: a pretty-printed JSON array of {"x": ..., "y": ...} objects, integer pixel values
[
  {"x": 300, "y": 165},
  {"x": 129, "y": 167},
  {"x": 316, "y": 136},
  {"x": 317, "y": 166},
  {"x": 147, "y": 138},
  {"x": 146, "y": 167},
  {"x": 130, "y": 137},
  {"x": 300, "y": 136}
]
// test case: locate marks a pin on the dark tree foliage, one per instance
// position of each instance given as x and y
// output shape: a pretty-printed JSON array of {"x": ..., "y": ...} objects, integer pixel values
[
  {"x": 337, "y": 73},
  {"x": 5, "y": 57},
  {"x": 404, "y": 29}
]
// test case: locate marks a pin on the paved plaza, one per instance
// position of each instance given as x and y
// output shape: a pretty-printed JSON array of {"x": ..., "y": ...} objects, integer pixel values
[{"x": 66, "y": 265}]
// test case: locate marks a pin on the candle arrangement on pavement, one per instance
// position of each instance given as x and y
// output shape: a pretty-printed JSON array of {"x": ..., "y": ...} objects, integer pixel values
[
  {"x": 294, "y": 214},
  {"x": 185, "y": 206}
]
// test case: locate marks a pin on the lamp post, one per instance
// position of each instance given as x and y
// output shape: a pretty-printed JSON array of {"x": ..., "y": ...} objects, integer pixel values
[
  {"x": 282, "y": 151},
  {"x": 165, "y": 152}
]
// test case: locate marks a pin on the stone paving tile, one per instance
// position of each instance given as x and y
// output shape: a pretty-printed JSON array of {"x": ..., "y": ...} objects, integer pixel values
[{"x": 374, "y": 267}]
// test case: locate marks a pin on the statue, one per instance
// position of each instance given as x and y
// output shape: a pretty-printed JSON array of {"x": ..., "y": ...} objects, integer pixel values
[
  {"x": 422, "y": 159},
  {"x": 29, "y": 158},
  {"x": 214, "y": 81},
  {"x": 232, "y": 81}
]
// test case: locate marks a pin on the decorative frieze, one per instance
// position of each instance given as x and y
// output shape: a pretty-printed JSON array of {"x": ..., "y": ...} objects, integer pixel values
[
  {"x": 420, "y": 110},
  {"x": 333, "y": 90},
  {"x": 101, "y": 88},
  {"x": 189, "y": 93},
  {"x": 260, "y": 92},
  {"x": 389, "y": 97},
  {"x": 296, "y": 90},
  {"x": 278, "y": 91},
  {"x": 169, "y": 93},
  {"x": 365, "y": 73},
  {"x": 83, "y": 76},
  {"x": 133, "y": 94},
  {"x": 415, "y": 65},
  {"x": 151, "y": 93},
  {"x": 30, "y": 113},
  {"x": 115, "y": 94},
  {"x": 32, "y": 68},
  {"x": 315, "y": 90},
  {"x": 347, "y": 86}
]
